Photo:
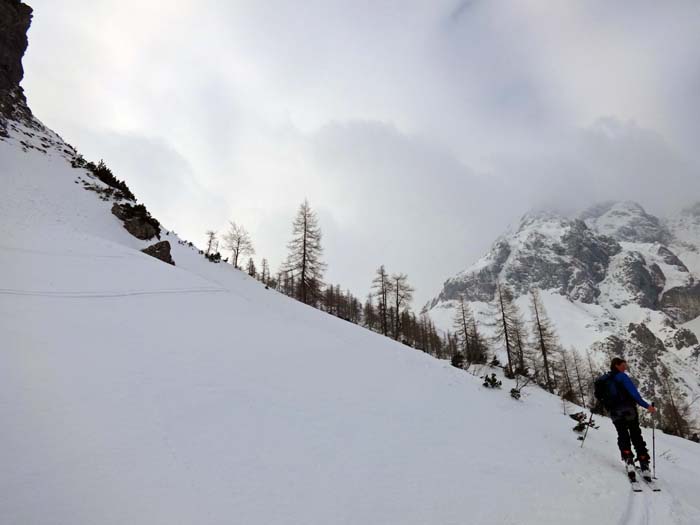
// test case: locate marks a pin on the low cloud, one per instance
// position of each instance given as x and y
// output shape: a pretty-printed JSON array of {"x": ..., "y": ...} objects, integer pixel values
[{"x": 418, "y": 133}]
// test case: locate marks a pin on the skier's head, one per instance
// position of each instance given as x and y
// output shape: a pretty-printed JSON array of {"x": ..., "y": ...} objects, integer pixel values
[{"x": 618, "y": 365}]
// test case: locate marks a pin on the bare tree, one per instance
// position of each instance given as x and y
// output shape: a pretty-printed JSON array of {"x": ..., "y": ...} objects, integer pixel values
[
  {"x": 251, "y": 269},
  {"x": 519, "y": 339},
  {"x": 304, "y": 260},
  {"x": 369, "y": 313},
  {"x": 566, "y": 389},
  {"x": 402, "y": 297},
  {"x": 265, "y": 272},
  {"x": 237, "y": 240},
  {"x": 545, "y": 336},
  {"x": 211, "y": 241},
  {"x": 382, "y": 287},
  {"x": 462, "y": 325},
  {"x": 504, "y": 324},
  {"x": 581, "y": 378},
  {"x": 479, "y": 348}
]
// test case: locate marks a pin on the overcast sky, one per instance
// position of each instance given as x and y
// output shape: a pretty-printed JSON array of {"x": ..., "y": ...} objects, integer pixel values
[{"x": 417, "y": 130}]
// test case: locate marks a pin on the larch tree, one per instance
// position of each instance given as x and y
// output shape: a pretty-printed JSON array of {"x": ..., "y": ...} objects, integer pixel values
[
  {"x": 251, "y": 269},
  {"x": 211, "y": 241},
  {"x": 304, "y": 260},
  {"x": 237, "y": 240},
  {"x": 545, "y": 337},
  {"x": 504, "y": 324},
  {"x": 582, "y": 379},
  {"x": 382, "y": 287},
  {"x": 479, "y": 346},
  {"x": 369, "y": 313},
  {"x": 402, "y": 293},
  {"x": 462, "y": 323},
  {"x": 265, "y": 272},
  {"x": 519, "y": 339}
]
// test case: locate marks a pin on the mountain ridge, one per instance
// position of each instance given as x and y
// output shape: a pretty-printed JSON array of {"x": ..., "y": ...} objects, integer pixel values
[{"x": 628, "y": 278}]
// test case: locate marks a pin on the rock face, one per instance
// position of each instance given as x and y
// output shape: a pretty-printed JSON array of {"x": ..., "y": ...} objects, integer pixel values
[
  {"x": 626, "y": 221},
  {"x": 684, "y": 338},
  {"x": 612, "y": 255},
  {"x": 160, "y": 250},
  {"x": 642, "y": 282},
  {"x": 15, "y": 18},
  {"x": 547, "y": 251},
  {"x": 137, "y": 221},
  {"x": 682, "y": 304}
]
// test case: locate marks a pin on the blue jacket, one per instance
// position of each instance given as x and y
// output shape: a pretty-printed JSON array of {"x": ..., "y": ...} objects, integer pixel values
[{"x": 623, "y": 380}]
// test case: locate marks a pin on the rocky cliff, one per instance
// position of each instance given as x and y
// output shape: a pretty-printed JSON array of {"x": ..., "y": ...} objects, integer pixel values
[{"x": 15, "y": 18}]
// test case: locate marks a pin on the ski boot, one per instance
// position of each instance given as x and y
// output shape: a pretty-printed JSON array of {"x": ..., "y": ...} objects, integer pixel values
[
  {"x": 644, "y": 466},
  {"x": 628, "y": 458}
]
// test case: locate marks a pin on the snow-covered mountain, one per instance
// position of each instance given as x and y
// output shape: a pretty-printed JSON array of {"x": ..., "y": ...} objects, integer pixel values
[
  {"x": 135, "y": 391},
  {"x": 615, "y": 279}
]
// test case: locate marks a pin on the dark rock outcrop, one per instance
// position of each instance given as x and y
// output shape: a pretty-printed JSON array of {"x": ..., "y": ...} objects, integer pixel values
[
  {"x": 652, "y": 346},
  {"x": 671, "y": 258},
  {"x": 137, "y": 221},
  {"x": 15, "y": 18},
  {"x": 684, "y": 338},
  {"x": 643, "y": 282},
  {"x": 682, "y": 303},
  {"x": 161, "y": 251}
]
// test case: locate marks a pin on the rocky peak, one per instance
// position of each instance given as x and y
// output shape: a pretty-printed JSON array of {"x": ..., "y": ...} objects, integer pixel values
[
  {"x": 625, "y": 221},
  {"x": 15, "y": 18},
  {"x": 546, "y": 251}
]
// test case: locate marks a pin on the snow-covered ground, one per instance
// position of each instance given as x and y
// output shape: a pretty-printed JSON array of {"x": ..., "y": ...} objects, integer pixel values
[{"x": 135, "y": 392}]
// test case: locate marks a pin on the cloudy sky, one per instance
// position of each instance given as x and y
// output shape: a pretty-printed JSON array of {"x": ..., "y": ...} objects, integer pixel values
[{"x": 417, "y": 129}]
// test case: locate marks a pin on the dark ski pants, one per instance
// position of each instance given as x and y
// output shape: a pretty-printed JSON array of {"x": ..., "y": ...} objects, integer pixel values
[{"x": 629, "y": 433}]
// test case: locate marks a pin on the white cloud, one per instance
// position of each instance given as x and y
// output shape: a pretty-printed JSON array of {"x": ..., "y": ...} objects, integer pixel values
[{"x": 418, "y": 130}]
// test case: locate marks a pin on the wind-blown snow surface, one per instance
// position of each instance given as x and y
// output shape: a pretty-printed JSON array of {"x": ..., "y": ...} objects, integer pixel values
[{"x": 135, "y": 392}]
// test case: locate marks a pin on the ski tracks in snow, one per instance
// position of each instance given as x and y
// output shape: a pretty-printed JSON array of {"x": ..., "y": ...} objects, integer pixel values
[
  {"x": 637, "y": 509},
  {"x": 653, "y": 508},
  {"x": 101, "y": 294}
]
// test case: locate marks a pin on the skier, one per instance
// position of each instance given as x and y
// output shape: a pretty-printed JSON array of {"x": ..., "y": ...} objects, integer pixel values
[{"x": 619, "y": 395}]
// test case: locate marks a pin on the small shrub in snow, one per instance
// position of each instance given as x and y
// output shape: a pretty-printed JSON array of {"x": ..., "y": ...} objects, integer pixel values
[
  {"x": 458, "y": 360},
  {"x": 492, "y": 381},
  {"x": 104, "y": 174}
]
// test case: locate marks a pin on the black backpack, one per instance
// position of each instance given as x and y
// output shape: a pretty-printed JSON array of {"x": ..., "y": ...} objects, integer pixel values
[{"x": 605, "y": 391}]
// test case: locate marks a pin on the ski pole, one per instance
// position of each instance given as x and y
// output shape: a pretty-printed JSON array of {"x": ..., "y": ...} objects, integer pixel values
[
  {"x": 590, "y": 420},
  {"x": 653, "y": 445}
]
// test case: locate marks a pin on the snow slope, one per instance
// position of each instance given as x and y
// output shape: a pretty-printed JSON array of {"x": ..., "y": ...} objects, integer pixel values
[{"x": 135, "y": 392}]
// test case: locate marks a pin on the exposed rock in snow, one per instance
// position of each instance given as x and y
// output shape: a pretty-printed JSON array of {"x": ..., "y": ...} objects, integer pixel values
[
  {"x": 682, "y": 304},
  {"x": 137, "y": 221},
  {"x": 683, "y": 338},
  {"x": 161, "y": 251},
  {"x": 15, "y": 18}
]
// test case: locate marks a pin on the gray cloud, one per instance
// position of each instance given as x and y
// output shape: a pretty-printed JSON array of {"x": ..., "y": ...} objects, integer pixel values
[{"x": 418, "y": 132}]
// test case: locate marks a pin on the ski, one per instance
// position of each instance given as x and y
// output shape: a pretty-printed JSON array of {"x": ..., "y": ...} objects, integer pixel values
[
  {"x": 632, "y": 476},
  {"x": 646, "y": 476}
]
